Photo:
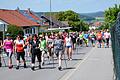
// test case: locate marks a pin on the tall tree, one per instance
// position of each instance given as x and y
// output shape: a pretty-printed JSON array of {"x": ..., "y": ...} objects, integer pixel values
[
  {"x": 73, "y": 20},
  {"x": 111, "y": 15}
]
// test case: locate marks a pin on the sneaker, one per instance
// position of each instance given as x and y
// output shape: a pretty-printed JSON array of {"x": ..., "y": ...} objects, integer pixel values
[
  {"x": 0, "y": 64},
  {"x": 33, "y": 68},
  {"x": 10, "y": 67},
  {"x": 17, "y": 67},
  {"x": 70, "y": 59},
  {"x": 60, "y": 68}
]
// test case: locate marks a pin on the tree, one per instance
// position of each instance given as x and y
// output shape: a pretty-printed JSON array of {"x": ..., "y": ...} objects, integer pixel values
[
  {"x": 14, "y": 30},
  {"x": 111, "y": 15},
  {"x": 73, "y": 20},
  {"x": 68, "y": 16}
]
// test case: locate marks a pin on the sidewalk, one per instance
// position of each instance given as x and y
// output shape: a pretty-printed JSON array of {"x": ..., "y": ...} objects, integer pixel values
[{"x": 97, "y": 65}]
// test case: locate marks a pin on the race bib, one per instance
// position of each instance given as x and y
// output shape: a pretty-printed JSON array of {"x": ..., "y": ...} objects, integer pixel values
[
  {"x": 99, "y": 37},
  {"x": 93, "y": 38}
]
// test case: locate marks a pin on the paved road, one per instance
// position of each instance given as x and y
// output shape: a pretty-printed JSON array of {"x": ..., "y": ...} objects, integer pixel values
[
  {"x": 97, "y": 65},
  {"x": 87, "y": 64}
]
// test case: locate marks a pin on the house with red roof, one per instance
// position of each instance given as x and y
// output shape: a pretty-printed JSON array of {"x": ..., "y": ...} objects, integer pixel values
[
  {"x": 14, "y": 17},
  {"x": 95, "y": 25},
  {"x": 29, "y": 21}
]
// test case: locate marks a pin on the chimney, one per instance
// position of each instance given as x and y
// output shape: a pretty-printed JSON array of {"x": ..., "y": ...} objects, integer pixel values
[
  {"x": 18, "y": 8},
  {"x": 29, "y": 10}
]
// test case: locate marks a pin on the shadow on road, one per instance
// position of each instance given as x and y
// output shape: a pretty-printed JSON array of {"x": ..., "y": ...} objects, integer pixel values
[{"x": 68, "y": 68}]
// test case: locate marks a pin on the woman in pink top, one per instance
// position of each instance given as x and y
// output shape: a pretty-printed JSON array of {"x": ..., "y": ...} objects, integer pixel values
[{"x": 8, "y": 45}]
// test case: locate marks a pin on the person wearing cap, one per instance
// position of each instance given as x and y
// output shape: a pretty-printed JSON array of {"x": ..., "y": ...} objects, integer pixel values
[{"x": 9, "y": 48}]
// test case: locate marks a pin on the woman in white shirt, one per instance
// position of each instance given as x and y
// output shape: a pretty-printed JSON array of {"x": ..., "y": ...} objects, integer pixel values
[
  {"x": 68, "y": 44},
  {"x": 107, "y": 37}
]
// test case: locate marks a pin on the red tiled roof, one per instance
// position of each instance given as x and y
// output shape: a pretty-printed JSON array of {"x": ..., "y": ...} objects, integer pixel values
[
  {"x": 97, "y": 23},
  {"x": 15, "y": 18}
]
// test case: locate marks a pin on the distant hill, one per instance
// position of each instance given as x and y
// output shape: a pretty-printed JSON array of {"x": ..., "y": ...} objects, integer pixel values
[
  {"x": 83, "y": 16},
  {"x": 95, "y": 14},
  {"x": 91, "y": 16},
  {"x": 86, "y": 18}
]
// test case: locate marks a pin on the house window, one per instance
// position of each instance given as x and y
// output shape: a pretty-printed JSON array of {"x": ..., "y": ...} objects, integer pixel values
[
  {"x": 34, "y": 30},
  {"x": 30, "y": 30},
  {"x": 25, "y": 31}
]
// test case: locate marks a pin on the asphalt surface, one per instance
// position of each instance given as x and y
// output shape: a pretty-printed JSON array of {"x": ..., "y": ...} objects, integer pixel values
[
  {"x": 88, "y": 64},
  {"x": 97, "y": 65}
]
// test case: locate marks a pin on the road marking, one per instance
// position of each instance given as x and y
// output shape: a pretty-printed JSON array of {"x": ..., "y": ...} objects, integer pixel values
[{"x": 70, "y": 72}]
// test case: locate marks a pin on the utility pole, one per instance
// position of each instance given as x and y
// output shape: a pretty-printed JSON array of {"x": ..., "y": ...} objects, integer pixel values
[
  {"x": 50, "y": 15},
  {"x": 3, "y": 32}
]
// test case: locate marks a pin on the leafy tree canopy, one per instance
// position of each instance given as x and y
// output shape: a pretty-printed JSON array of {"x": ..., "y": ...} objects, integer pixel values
[
  {"x": 68, "y": 16},
  {"x": 73, "y": 20},
  {"x": 111, "y": 15},
  {"x": 14, "y": 30}
]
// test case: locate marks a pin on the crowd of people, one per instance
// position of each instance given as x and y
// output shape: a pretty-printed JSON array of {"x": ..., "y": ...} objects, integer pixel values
[{"x": 52, "y": 45}]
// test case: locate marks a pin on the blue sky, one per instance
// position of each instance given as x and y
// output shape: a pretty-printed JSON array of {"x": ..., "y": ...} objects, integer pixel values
[{"x": 80, "y": 6}]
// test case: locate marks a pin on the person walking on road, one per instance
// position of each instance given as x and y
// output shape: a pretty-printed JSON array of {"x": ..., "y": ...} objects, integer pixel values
[
  {"x": 19, "y": 48},
  {"x": 50, "y": 47},
  {"x": 92, "y": 38},
  {"x": 81, "y": 39},
  {"x": 99, "y": 39},
  {"x": 35, "y": 51},
  {"x": 107, "y": 38},
  {"x": 27, "y": 47},
  {"x": 43, "y": 48},
  {"x": 86, "y": 38},
  {"x": 9, "y": 48},
  {"x": 58, "y": 50},
  {"x": 68, "y": 44},
  {"x": 74, "y": 38}
]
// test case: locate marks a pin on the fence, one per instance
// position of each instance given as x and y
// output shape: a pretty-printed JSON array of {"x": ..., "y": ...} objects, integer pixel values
[{"x": 115, "y": 37}]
